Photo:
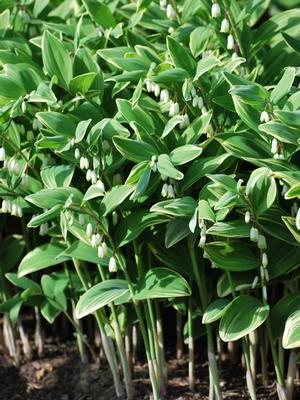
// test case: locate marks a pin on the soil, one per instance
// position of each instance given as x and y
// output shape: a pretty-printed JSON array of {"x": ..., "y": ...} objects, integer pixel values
[{"x": 60, "y": 375}]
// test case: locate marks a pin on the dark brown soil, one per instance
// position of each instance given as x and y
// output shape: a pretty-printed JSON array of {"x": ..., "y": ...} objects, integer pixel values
[{"x": 61, "y": 376}]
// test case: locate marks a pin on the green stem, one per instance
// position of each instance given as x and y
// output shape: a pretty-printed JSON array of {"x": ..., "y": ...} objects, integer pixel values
[
  {"x": 246, "y": 351},
  {"x": 106, "y": 341},
  {"x": 120, "y": 346},
  {"x": 191, "y": 348},
  {"x": 200, "y": 281}
]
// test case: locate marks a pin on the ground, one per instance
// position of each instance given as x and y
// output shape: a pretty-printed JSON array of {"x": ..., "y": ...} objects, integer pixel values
[{"x": 60, "y": 375}]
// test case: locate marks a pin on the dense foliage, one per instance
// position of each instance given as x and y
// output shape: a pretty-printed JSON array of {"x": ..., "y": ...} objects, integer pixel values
[{"x": 150, "y": 151}]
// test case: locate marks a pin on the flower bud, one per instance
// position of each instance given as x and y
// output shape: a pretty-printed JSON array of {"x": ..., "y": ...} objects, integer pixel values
[
  {"x": 156, "y": 90},
  {"x": 163, "y": 3},
  {"x": 86, "y": 163},
  {"x": 148, "y": 85},
  {"x": 195, "y": 101},
  {"x": 164, "y": 190},
  {"x": 164, "y": 96},
  {"x": 93, "y": 177},
  {"x": 234, "y": 56},
  {"x": 265, "y": 293},
  {"x": 255, "y": 282},
  {"x": 247, "y": 217},
  {"x": 264, "y": 260},
  {"x": 81, "y": 219},
  {"x": 101, "y": 251},
  {"x": 274, "y": 146},
  {"x": 95, "y": 240},
  {"x": 193, "y": 92},
  {"x": 254, "y": 234},
  {"x": 202, "y": 241},
  {"x": 298, "y": 219},
  {"x": 264, "y": 117},
  {"x": 2, "y": 154},
  {"x": 4, "y": 207},
  {"x": 174, "y": 109},
  {"x": 14, "y": 209},
  {"x": 215, "y": 10},
  {"x": 115, "y": 218},
  {"x": 225, "y": 26},
  {"x": 82, "y": 162},
  {"x": 171, "y": 192},
  {"x": 104, "y": 248},
  {"x": 100, "y": 185},
  {"x": 112, "y": 265},
  {"x": 89, "y": 230},
  {"x": 153, "y": 166},
  {"x": 77, "y": 153},
  {"x": 43, "y": 229},
  {"x": 171, "y": 13},
  {"x": 24, "y": 107},
  {"x": 294, "y": 209},
  {"x": 25, "y": 180},
  {"x": 203, "y": 110},
  {"x": 261, "y": 243},
  {"x": 19, "y": 211},
  {"x": 230, "y": 42},
  {"x": 88, "y": 175},
  {"x": 200, "y": 103}
]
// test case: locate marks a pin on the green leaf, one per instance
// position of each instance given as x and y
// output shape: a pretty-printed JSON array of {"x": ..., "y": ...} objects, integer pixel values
[
  {"x": 183, "y": 207},
  {"x": 184, "y": 154},
  {"x": 293, "y": 192},
  {"x": 205, "y": 65},
  {"x": 57, "y": 176},
  {"x": 281, "y": 132},
  {"x": 205, "y": 211},
  {"x": 245, "y": 146},
  {"x": 41, "y": 257},
  {"x": 48, "y": 198},
  {"x": 180, "y": 56},
  {"x": 230, "y": 229},
  {"x": 291, "y": 118},
  {"x": 291, "y": 335},
  {"x": 82, "y": 83},
  {"x": 177, "y": 229},
  {"x": 159, "y": 283},
  {"x": 48, "y": 215},
  {"x": 282, "y": 310},
  {"x": 166, "y": 167},
  {"x": 135, "y": 115},
  {"x": 170, "y": 75},
  {"x": 84, "y": 252},
  {"x": 56, "y": 59},
  {"x": 100, "y": 13},
  {"x": 114, "y": 198},
  {"x": 261, "y": 190},
  {"x": 11, "y": 251},
  {"x": 134, "y": 224},
  {"x": 93, "y": 192},
  {"x": 240, "y": 281},
  {"x": 199, "y": 39},
  {"x": 23, "y": 283},
  {"x": 134, "y": 150},
  {"x": 215, "y": 311},
  {"x": 234, "y": 256},
  {"x": 101, "y": 295},
  {"x": 283, "y": 86},
  {"x": 243, "y": 315},
  {"x": 57, "y": 123},
  {"x": 170, "y": 125}
]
